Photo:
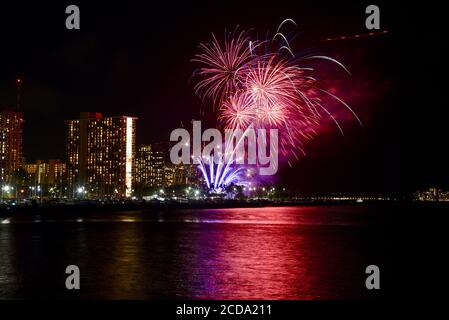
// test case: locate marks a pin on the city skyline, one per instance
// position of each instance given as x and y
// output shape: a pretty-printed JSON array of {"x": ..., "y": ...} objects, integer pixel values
[
  {"x": 101, "y": 161},
  {"x": 222, "y": 156},
  {"x": 127, "y": 73},
  {"x": 151, "y": 167}
]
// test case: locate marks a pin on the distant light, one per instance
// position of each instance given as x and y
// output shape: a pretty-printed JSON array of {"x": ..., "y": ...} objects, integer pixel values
[{"x": 19, "y": 80}]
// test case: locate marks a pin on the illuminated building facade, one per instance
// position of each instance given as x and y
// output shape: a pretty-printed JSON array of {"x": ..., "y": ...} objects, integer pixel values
[
  {"x": 169, "y": 175},
  {"x": 57, "y": 172},
  {"x": 50, "y": 173},
  {"x": 149, "y": 167},
  {"x": 432, "y": 194},
  {"x": 157, "y": 168},
  {"x": 37, "y": 172},
  {"x": 11, "y": 135},
  {"x": 50, "y": 177},
  {"x": 100, "y": 155},
  {"x": 142, "y": 165},
  {"x": 181, "y": 174},
  {"x": 153, "y": 169}
]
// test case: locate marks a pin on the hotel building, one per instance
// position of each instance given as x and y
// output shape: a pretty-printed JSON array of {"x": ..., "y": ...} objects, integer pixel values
[
  {"x": 11, "y": 135},
  {"x": 47, "y": 175},
  {"x": 153, "y": 169},
  {"x": 100, "y": 155},
  {"x": 149, "y": 166}
]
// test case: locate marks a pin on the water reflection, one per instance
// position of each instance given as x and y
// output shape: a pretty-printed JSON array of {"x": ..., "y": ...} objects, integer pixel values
[{"x": 250, "y": 253}]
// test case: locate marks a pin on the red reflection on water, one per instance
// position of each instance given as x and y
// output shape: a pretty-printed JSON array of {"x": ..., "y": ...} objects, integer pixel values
[
  {"x": 261, "y": 259},
  {"x": 276, "y": 253}
]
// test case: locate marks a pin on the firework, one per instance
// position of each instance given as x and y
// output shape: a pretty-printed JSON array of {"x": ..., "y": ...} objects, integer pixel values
[
  {"x": 238, "y": 111},
  {"x": 222, "y": 66},
  {"x": 262, "y": 84},
  {"x": 274, "y": 95},
  {"x": 218, "y": 176}
]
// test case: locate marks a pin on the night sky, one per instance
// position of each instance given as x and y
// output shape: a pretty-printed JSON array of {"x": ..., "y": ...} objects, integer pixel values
[{"x": 133, "y": 58}]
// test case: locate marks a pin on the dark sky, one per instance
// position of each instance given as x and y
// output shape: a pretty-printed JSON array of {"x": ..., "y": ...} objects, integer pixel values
[{"x": 132, "y": 58}]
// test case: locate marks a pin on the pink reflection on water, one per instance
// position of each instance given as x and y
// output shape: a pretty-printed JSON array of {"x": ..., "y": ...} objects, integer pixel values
[
  {"x": 307, "y": 215},
  {"x": 259, "y": 253}
]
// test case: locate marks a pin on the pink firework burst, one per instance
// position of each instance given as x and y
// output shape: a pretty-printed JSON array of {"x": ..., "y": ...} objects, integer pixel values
[
  {"x": 279, "y": 97},
  {"x": 238, "y": 111},
  {"x": 264, "y": 87},
  {"x": 223, "y": 66}
]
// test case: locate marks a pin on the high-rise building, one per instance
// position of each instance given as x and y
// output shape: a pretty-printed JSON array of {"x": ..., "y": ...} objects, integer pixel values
[
  {"x": 169, "y": 175},
  {"x": 157, "y": 167},
  {"x": 37, "y": 172},
  {"x": 142, "y": 165},
  {"x": 50, "y": 176},
  {"x": 100, "y": 155},
  {"x": 149, "y": 167},
  {"x": 180, "y": 174},
  {"x": 11, "y": 132},
  {"x": 56, "y": 172},
  {"x": 153, "y": 169}
]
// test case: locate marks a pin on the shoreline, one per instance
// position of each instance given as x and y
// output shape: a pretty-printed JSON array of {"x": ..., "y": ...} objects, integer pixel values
[{"x": 66, "y": 210}]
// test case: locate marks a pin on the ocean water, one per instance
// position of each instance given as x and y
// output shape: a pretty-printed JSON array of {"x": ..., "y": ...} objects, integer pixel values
[{"x": 298, "y": 252}]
